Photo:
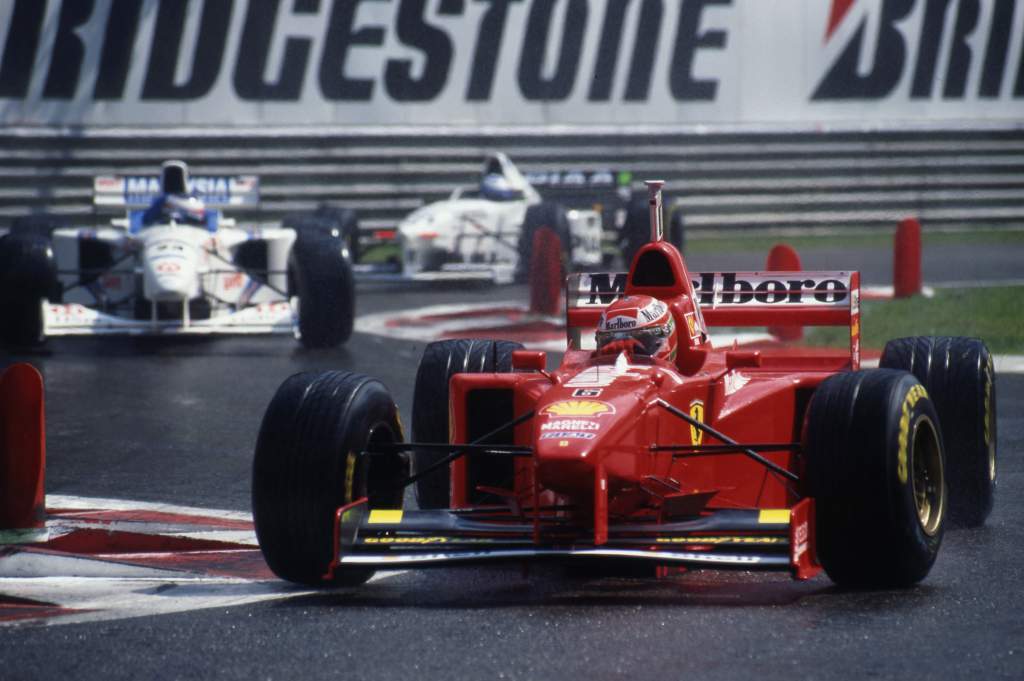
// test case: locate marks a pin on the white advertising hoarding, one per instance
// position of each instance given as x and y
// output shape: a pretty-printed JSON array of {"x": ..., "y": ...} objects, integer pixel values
[{"x": 481, "y": 63}]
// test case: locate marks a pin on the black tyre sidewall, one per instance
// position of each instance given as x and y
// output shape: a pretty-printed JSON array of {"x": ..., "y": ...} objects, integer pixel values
[
  {"x": 430, "y": 423},
  {"x": 28, "y": 275},
  {"x": 637, "y": 228},
  {"x": 913, "y": 563},
  {"x": 326, "y": 290},
  {"x": 959, "y": 377},
  {"x": 307, "y": 465},
  {"x": 868, "y": 532}
]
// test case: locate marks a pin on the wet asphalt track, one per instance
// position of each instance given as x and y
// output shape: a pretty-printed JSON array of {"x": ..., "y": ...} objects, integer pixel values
[{"x": 175, "y": 422}]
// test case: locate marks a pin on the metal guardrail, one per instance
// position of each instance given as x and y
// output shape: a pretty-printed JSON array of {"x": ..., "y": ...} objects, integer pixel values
[{"x": 721, "y": 181}]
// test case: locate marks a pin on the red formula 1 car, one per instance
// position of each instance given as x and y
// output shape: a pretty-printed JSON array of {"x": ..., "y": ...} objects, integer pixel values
[{"x": 645, "y": 445}]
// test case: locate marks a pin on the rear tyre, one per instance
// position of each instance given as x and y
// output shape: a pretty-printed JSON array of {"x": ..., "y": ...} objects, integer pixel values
[
  {"x": 323, "y": 280},
  {"x": 545, "y": 247},
  {"x": 959, "y": 376},
  {"x": 543, "y": 216},
  {"x": 308, "y": 463},
  {"x": 442, "y": 360},
  {"x": 874, "y": 466},
  {"x": 636, "y": 231},
  {"x": 28, "y": 276},
  {"x": 251, "y": 256}
]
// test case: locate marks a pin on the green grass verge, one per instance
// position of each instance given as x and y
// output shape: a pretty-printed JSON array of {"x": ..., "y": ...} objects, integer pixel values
[
  {"x": 992, "y": 314},
  {"x": 379, "y": 253},
  {"x": 762, "y": 242}
]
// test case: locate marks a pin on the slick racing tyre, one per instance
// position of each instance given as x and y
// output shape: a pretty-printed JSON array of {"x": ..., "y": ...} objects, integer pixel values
[
  {"x": 874, "y": 466},
  {"x": 442, "y": 360},
  {"x": 310, "y": 461},
  {"x": 322, "y": 279},
  {"x": 329, "y": 221},
  {"x": 28, "y": 275},
  {"x": 959, "y": 377},
  {"x": 545, "y": 249}
]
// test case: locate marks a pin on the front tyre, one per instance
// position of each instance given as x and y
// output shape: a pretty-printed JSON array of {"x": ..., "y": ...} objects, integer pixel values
[
  {"x": 322, "y": 276},
  {"x": 309, "y": 462},
  {"x": 959, "y": 375},
  {"x": 329, "y": 221},
  {"x": 875, "y": 468},
  {"x": 28, "y": 276}
]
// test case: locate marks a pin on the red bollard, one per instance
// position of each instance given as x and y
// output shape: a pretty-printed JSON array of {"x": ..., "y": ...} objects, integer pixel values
[
  {"x": 784, "y": 258},
  {"x": 22, "y": 455},
  {"x": 547, "y": 275},
  {"x": 906, "y": 262}
]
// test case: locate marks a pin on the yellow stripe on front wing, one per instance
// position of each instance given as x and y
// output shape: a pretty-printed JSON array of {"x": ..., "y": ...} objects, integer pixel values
[
  {"x": 383, "y": 516},
  {"x": 773, "y": 516}
]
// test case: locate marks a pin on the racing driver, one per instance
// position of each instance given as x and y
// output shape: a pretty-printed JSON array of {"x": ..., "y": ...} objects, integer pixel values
[{"x": 640, "y": 325}]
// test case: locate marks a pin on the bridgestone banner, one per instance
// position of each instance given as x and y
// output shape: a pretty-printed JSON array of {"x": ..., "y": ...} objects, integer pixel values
[{"x": 510, "y": 62}]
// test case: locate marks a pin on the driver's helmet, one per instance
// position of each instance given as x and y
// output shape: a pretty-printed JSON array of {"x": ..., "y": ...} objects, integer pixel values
[
  {"x": 641, "y": 325},
  {"x": 184, "y": 209},
  {"x": 496, "y": 187}
]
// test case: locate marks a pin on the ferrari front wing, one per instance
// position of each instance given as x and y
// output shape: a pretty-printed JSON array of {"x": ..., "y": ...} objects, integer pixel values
[{"x": 746, "y": 539}]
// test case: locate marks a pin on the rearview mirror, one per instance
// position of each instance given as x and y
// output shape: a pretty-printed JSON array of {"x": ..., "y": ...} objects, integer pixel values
[{"x": 529, "y": 359}]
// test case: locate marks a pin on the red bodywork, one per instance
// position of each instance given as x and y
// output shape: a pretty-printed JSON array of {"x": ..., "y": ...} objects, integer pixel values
[{"x": 608, "y": 464}]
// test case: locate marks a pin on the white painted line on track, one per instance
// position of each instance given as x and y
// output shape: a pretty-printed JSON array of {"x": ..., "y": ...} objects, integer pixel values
[
  {"x": 43, "y": 585},
  {"x": 98, "y": 600},
  {"x": 1009, "y": 364},
  {"x": 62, "y": 501}
]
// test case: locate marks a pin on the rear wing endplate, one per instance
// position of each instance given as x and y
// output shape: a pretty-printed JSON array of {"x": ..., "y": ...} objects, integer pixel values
[{"x": 138, "y": 191}]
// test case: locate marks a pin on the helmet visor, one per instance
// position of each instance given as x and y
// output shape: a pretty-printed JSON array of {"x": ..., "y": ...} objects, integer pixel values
[{"x": 650, "y": 339}]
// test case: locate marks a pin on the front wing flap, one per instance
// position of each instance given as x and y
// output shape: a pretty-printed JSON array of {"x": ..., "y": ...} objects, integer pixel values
[
  {"x": 74, "y": 319},
  {"x": 734, "y": 538}
]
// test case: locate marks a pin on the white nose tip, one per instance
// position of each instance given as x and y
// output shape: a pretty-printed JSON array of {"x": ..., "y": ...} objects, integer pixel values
[{"x": 171, "y": 272}]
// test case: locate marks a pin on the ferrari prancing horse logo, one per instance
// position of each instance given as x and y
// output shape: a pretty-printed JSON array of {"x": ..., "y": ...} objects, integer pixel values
[{"x": 697, "y": 412}]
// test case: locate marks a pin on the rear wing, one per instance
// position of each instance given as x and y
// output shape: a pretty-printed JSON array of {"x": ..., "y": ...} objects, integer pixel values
[
  {"x": 138, "y": 191},
  {"x": 734, "y": 299},
  {"x": 570, "y": 179},
  {"x": 601, "y": 189}
]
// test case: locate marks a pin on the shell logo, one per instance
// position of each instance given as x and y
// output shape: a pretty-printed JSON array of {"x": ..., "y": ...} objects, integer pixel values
[{"x": 578, "y": 408}]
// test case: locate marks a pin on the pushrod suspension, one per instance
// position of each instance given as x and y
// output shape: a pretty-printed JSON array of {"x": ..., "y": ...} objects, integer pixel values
[
  {"x": 462, "y": 450},
  {"x": 740, "y": 449}
]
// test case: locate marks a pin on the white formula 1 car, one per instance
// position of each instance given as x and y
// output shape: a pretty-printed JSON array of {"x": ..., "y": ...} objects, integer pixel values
[
  {"x": 174, "y": 266},
  {"x": 488, "y": 232}
]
